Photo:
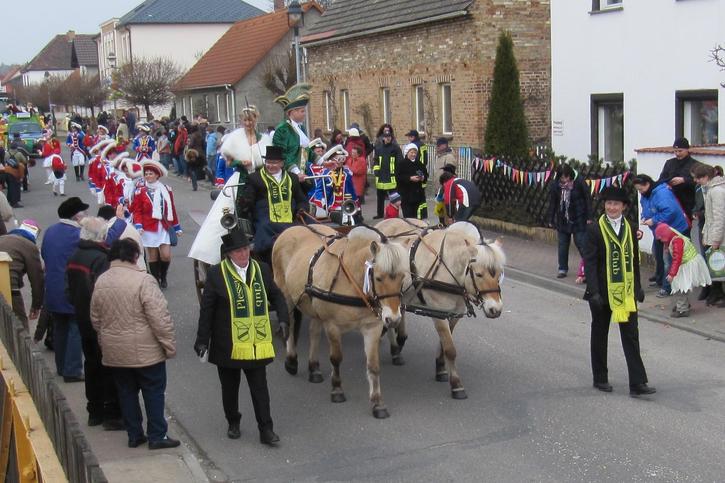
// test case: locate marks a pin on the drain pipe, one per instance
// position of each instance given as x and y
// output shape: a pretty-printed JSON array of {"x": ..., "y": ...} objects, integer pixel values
[{"x": 228, "y": 87}]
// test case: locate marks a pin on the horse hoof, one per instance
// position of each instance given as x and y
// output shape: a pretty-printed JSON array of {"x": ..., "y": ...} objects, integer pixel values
[
  {"x": 337, "y": 397},
  {"x": 398, "y": 361},
  {"x": 442, "y": 377},
  {"x": 380, "y": 413},
  {"x": 291, "y": 366},
  {"x": 459, "y": 394},
  {"x": 315, "y": 377}
]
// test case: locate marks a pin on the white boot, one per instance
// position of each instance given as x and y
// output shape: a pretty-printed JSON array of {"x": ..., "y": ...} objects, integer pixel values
[
  {"x": 61, "y": 184},
  {"x": 51, "y": 176}
]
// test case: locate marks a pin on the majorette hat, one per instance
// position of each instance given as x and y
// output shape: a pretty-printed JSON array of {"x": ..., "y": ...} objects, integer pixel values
[
  {"x": 154, "y": 166},
  {"x": 133, "y": 167},
  {"x": 101, "y": 145},
  {"x": 76, "y": 125},
  {"x": 118, "y": 161},
  {"x": 144, "y": 128},
  {"x": 317, "y": 143},
  {"x": 103, "y": 128},
  {"x": 112, "y": 148},
  {"x": 334, "y": 152}
]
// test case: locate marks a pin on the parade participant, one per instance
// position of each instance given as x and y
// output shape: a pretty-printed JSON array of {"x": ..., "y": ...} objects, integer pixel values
[
  {"x": 50, "y": 147},
  {"x": 460, "y": 196},
  {"x": 110, "y": 184},
  {"x": 101, "y": 135},
  {"x": 358, "y": 166},
  {"x": 58, "y": 166},
  {"x": 232, "y": 287},
  {"x": 341, "y": 187},
  {"x": 21, "y": 245},
  {"x": 136, "y": 334},
  {"x": 274, "y": 198},
  {"x": 244, "y": 148},
  {"x": 676, "y": 173},
  {"x": 315, "y": 167},
  {"x": 393, "y": 208},
  {"x": 128, "y": 180},
  {"x": 386, "y": 158},
  {"x": 154, "y": 215},
  {"x": 144, "y": 145},
  {"x": 97, "y": 165},
  {"x": 687, "y": 269},
  {"x": 290, "y": 136},
  {"x": 412, "y": 175},
  {"x": 611, "y": 265},
  {"x": 315, "y": 150},
  {"x": 75, "y": 142},
  {"x": 84, "y": 267}
]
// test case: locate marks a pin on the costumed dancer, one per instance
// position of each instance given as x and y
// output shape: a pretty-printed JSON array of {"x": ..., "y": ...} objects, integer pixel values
[
  {"x": 75, "y": 143},
  {"x": 144, "y": 145},
  {"x": 291, "y": 136},
  {"x": 50, "y": 147},
  {"x": 112, "y": 155},
  {"x": 223, "y": 170},
  {"x": 129, "y": 180},
  {"x": 340, "y": 187},
  {"x": 96, "y": 166},
  {"x": 244, "y": 148},
  {"x": 318, "y": 187},
  {"x": 58, "y": 166},
  {"x": 687, "y": 270},
  {"x": 154, "y": 215},
  {"x": 92, "y": 139}
]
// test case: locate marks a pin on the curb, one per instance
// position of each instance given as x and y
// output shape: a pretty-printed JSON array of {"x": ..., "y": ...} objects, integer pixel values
[{"x": 559, "y": 287}]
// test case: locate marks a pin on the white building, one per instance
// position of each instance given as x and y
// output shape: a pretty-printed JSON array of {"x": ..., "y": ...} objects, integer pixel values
[{"x": 630, "y": 74}]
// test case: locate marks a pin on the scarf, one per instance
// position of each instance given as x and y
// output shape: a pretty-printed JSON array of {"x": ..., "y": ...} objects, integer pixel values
[
  {"x": 279, "y": 197},
  {"x": 160, "y": 200},
  {"x": 251, "y": 330},
  {"x": 620, "y": 269},
  {"x": 565, "y": 198}
]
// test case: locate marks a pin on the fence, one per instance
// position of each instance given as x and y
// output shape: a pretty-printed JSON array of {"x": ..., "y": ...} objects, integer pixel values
[{"x": 71, "y": 446}]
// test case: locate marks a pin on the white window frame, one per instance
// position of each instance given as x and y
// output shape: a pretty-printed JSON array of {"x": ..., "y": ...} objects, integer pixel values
[
  {"x": 599, "y": 104},
  {"x": 191, "y": 106},
  {"x": 328, "y": 111},
  {"x": 217, "y": 98},
  {"x": 228, "y": 101},
  {"x": 183, "y": 106},
  {"x": 446, "y": 109},
  {"x": 385, "y": 104},
  {"x": 418, "y": 107},
  {"x": 345, "y": 95}
]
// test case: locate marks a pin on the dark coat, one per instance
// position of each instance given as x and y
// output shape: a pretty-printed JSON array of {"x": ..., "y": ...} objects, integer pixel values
[
  {"x": 594, "y": 262},
  {"x": 580, "y": 207},
  {"x": 215, "y": 317},
  {"x": 255, "y": 197},
  {"x": 684, "y": 192},
  {"x": 84, "y": 267},
  {"x": 411, "y": 192}
]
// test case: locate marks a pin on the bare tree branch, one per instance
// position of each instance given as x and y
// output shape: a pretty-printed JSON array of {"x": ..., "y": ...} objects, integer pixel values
[
  {"x": 147, "y": 82},
  {"x": 718, "y": 56},
  {"x": 278, "y": 73}
]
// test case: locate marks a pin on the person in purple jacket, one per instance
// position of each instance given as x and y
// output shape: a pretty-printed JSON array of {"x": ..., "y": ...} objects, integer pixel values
[{"x": 59, "y": 243}]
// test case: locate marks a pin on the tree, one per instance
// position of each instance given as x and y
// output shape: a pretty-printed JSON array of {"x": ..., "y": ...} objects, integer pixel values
[
  {"x": 147, "y": 82},
  {"x": 92, "y": 94},
  {"x": 718, "y": 56},
  {"x": 279, "y": 73},
  {"x": 506, "y": 132}
]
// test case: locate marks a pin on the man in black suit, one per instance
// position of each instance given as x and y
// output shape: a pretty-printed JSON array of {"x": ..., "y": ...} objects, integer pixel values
[
  {"x": 611, "y": 264},
  {"x": 234, "y": 328}
]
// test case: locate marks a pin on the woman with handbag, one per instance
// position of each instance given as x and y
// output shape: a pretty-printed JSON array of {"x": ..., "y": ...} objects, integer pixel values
[
  {"x": 713, "y": 231},
  {"x": 154, "y": 215}
]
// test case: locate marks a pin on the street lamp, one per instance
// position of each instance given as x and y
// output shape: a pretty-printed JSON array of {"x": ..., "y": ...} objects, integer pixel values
[
  {"x": 50, "y": 104},
  {"x": 111, "y": 58},
  {"x": 295, "y": 19}
]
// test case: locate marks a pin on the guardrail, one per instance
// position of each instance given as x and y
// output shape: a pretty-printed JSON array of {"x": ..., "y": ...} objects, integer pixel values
[{"x": 53, "y": 415}]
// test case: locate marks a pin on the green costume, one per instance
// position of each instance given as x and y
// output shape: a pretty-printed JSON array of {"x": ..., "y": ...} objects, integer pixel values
[{"x": 285, "y": 136}]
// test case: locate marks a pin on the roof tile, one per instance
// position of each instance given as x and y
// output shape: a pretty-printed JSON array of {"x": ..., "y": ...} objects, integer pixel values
[{"x": 190, "y": 11}]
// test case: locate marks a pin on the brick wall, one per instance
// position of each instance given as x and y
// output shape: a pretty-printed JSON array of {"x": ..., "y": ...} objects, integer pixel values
[{"x": 457, "y": 51}]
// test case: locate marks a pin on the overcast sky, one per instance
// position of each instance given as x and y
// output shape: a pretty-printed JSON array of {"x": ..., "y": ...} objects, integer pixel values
[{"x": 22, "y": 40}]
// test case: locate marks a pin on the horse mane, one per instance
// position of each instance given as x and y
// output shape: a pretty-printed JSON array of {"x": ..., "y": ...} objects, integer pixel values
[
  {"x": 491, "y": 255},
  {"x": 364, "y": 233},
  {"x": 392, "y": 258}
]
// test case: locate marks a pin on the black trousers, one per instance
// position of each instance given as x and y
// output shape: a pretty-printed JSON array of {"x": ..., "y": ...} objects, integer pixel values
[
  {"x": 629, "y": 333},
  {"x": 101, "y": 393},
  {"x": 382, "y": 196},
  {"x": 257, "y": 381}
]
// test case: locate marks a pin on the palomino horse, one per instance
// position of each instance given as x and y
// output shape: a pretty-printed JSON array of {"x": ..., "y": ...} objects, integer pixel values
[
  {"x": 451, "y": 269},
  {"x": 342, "y": 284}
]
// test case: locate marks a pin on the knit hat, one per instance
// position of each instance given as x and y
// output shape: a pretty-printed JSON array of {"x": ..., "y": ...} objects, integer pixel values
[
  {"x": 681, "y": 143},
  {"x": 394, "y": 196},
  {"x": 408, "y": 147},
  {"x": 31, "y": 226}
]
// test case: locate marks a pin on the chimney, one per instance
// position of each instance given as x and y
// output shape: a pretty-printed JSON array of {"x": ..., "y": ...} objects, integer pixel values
[
  {"x": 279, "y": 5},
  {"x": 71, "y": 35}
]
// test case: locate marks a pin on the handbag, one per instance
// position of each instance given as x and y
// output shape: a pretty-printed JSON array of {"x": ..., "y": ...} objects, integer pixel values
[
  {"x": 716, "y": 264},
  {"x": 173, "y": 237}
]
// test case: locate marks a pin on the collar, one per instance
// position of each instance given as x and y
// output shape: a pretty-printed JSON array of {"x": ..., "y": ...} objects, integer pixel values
[
  {"x": 67, "y": 221},
  {"x": 128, "y": 265},
  {"x": 238, "y": 268}
]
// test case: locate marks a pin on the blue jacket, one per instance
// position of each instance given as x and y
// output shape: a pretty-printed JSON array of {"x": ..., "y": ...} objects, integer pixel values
[
  {"x": 59, "y": 243},
  {"x": 223, "y": 172},
  {"x": 661, "y": 205}
]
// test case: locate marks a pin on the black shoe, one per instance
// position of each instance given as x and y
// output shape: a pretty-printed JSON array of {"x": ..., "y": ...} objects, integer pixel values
[
  {"x": 234, "y": 432},
  {"x": 135, "y": 443},
  {"x": 113, "y": 425},
  {"x": 653, "y": 278},
  {"x": 163, "y": 283},
  {"x": 561, "y": 274},
  {"x": 95, "y": 420},
  {"x": 55, "y": 194},
  {"x": 17, "y": 205},
  {"x": 377, "y": 217},
  {"x": 603, "y": 386},
  {"x": 70, "y": 379},
  {"x": 641, "y": 390},
  {"x": 267, "y": 436},
  {"x": 164, "y": 443}
]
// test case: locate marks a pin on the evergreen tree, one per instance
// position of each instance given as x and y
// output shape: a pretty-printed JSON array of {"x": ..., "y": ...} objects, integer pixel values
[{"x": 506, "y": 132}]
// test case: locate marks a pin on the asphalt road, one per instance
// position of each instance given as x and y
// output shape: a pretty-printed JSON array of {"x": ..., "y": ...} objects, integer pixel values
[{"x": 531, "y": 414}]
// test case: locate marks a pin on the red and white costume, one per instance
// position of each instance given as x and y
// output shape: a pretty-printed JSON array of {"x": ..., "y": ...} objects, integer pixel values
[{"x": 153, "y": 209}]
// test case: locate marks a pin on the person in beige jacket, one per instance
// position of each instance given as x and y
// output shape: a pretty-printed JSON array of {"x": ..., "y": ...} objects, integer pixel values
[
  {"x": 713, "y": 233},
  {"x": 136, "y": 335}
]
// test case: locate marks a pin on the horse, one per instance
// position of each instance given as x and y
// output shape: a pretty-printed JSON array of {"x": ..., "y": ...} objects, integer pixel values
[
  {"x": 451, "y": 269},
  {"x": 341, "y": 284}
]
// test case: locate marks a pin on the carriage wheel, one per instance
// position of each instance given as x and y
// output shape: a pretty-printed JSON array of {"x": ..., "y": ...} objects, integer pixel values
[{"x": 200, "y": 269}]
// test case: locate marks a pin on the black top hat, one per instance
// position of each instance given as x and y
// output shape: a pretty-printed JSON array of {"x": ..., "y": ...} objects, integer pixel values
[
  {"x": 614, "y": 193},
  {"x": 236, "y": 238},
  {"x": 274, "y": 152},
  {"x": 71, "y": 207}
]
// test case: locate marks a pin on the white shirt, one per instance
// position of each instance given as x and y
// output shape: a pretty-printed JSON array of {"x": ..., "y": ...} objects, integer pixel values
[
  {"x": 616, "y": 223},
  {"x": 278, "y": 176},
  {"x": 241, "y": 271},
  {"x": 304, "y": 140}
]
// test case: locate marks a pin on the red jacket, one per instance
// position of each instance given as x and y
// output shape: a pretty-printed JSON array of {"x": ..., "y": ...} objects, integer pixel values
[
  {"x": 58, "y": 164},
  {"x": 359, "y": 168},
  {"x": 391, "y": 211},
  {"x": 142, "y": 209},
  {"x": 96, "y": 174},
  {"x": 677, "y": 247},
  {"x": 110, "y": 190},
  {"x": 51, "y": 147},
  {"x": 180, "y": 142}
]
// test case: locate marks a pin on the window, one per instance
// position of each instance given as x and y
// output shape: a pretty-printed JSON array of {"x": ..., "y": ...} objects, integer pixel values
[
  {"x": 446, "y": 110},
  {"x": 227, "y": 107},
  {"x": 328, "y": 111},
  {"x": 696, "y": 116},
  {"x": 345, "y": 108},
  {"x": 418, "y": 108},
  {"x": 602, "y": 5},
  {"x": 385, "y": 104},
  {"x": 607, "y": 123}
]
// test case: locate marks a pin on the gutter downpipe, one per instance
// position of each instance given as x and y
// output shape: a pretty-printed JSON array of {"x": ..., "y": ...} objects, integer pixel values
[{"x": 228, "y": 87}]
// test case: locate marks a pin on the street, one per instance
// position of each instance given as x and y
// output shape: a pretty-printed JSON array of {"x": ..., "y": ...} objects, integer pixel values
[{"x": 531, "y": 415}]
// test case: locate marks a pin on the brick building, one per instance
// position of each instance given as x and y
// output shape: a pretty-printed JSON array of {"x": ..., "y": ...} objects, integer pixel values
[{"x": 425, "y": 64}]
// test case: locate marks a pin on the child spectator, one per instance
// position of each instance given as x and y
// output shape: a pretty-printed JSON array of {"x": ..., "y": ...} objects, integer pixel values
[{"x": 393, "y": 208}]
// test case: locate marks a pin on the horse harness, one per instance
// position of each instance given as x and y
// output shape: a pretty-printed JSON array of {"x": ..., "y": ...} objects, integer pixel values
[{"x": 371, "y": 299}]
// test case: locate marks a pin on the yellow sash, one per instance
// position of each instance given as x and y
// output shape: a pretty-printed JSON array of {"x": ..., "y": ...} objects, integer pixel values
[
  {"x": 279, "y": 197},
  {"x": 620, "y": 270}
]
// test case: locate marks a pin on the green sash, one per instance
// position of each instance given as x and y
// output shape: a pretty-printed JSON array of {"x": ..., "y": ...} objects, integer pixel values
[
  {"x": 279, "y": 197},
  {"x": 620, "y": 270},
  {"x": 251, "y": 330}
]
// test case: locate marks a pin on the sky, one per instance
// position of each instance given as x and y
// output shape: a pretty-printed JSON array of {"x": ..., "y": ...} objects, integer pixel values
[{"x": 57, "y": 17}]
